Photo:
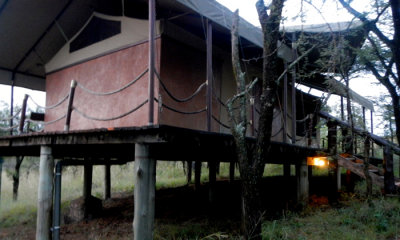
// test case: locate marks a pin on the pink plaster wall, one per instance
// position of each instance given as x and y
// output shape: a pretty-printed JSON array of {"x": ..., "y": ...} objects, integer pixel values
[
  {"x": 183, "y": 70},
  {"x": 104, "y": 74}
]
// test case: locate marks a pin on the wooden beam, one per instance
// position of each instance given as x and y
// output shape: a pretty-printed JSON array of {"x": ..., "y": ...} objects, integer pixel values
[
  {"x": 45, "y": 194},
  {"x": 145, "y": 180}
]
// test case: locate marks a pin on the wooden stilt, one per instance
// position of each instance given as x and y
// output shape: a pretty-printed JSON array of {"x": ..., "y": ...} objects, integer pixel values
[
  {"x": 45, "y": 194},
  {"x": 145, "y": 182},
  {"x": 107, "y": 181},
  {"x": 389, "y": 186},
  {"x": 212, "y": 176},
  {"x": 302, "y": 183},
  {"x": 1, "y": 171},
  {"x": 197, "y": 174},
  {"x": 334, "y": 171},
  {"x": 87, "y": 185},
  {"x": 232, "y": 171},
  {"x": 189, "y": 172},
  {"x": 286, "y": 170}
]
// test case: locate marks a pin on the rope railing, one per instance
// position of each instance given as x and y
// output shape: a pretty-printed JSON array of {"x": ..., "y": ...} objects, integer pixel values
[
  {"x": 276, "y": 134},
  {"x": 9, "y": 128},
  {"x": 114, "y": 91},
  {"x": 180, "y": 99},
  {"x": 220, "y": 123},
  {"x": 11, "y": 117},
  {"x": 111, "y": 118},
  {"x": 51, "y": 106},
  {"x": 179, "y": 111}
]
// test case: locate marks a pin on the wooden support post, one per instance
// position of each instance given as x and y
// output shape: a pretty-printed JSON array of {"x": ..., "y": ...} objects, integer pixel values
[
  {"x": 152, "y": 22},
  {"x": 368, "y": 178},
  {"x": 1, "y": 171},
  {"x": 334, "y": 171},
  {"x": 197, "y": 174},
  {"x": 232, "y": 171},
  {"x": 372, "y": 132},
  {"x": 12, "y": 104},
  {"x": 294, "y": 119},
  {"x": 70, "y": 105},
  {"x": 87, "y": 185},
  {"x": 145, "y": 182},
  {"x": 45, "y": 194},
  {"x": 310, "y": 170},
  {"x": 23, "y": 115},
  {"x": 389, "y": 186},
  {"x": 107, "y": 181},
  {"x": 286, "y": 170},
  {"x": 285, "y": 103},
  {"x": 212, "y": 176},
  {"x": 189, "y": 172},
  {"x": 302, "y": 182},
  {"x": 209, "y": 74}
]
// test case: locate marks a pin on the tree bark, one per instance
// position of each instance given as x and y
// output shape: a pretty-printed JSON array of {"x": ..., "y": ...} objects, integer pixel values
[
  {"x": 18, "y": 162},
  {"x": 251, "y": 159}
]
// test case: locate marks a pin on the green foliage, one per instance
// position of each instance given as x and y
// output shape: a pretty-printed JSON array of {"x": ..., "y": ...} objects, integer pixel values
[{"x": 358, "y": 219}]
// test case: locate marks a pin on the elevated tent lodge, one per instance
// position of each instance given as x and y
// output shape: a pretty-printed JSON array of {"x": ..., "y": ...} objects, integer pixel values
[{"x": 107, "y": 85}]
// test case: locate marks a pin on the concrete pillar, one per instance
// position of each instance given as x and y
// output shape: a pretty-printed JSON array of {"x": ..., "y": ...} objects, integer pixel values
[
  {"x": 45, "y": 194},
  {"x": 144, "y": 196},
  {"x": 302, "y": 182}
]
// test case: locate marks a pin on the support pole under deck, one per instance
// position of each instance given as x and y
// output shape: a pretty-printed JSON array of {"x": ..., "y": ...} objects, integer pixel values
[
  {"x": 45, "y": 194},
  {"x": 144, "y": 197},
  {"x": 302, "y": 182}
]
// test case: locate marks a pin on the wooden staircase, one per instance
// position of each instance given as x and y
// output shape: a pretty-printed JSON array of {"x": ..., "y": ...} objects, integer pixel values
[{"x": 356, "y": 165}]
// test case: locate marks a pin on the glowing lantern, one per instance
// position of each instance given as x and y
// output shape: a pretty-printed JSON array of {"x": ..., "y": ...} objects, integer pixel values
[{"x": 317, "y": 161}]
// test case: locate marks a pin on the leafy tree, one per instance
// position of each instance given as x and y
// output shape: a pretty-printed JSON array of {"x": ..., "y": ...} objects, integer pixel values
[{"x": 381, "y": 54}]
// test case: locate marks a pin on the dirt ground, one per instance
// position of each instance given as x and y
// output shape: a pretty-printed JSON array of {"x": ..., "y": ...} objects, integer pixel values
[{"x": 183, "y": 213}]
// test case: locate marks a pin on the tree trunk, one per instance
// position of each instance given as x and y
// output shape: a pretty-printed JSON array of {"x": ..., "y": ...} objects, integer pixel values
[
  {"x": 18, "y": 162},
  {"x": 251, "y": 209}
]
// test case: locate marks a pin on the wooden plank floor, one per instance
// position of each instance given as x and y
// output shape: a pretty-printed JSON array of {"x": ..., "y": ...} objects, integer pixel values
[{"x": 167, "y": 143}]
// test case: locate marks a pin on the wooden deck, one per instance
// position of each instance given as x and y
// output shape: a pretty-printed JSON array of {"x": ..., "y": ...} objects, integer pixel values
[{"x": 166, "y": 143}]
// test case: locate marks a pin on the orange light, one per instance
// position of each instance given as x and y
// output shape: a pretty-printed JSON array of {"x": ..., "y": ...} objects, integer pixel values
[{"x": 317, "y": 161}]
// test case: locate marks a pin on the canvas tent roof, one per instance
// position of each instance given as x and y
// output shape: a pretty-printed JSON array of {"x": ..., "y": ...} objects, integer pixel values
[{"x": 32, "y": 32}]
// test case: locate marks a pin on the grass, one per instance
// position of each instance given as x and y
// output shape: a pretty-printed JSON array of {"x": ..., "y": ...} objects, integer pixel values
[
  {"x": 360, "y": 219},
  {"x": 356, "y": 218}
]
